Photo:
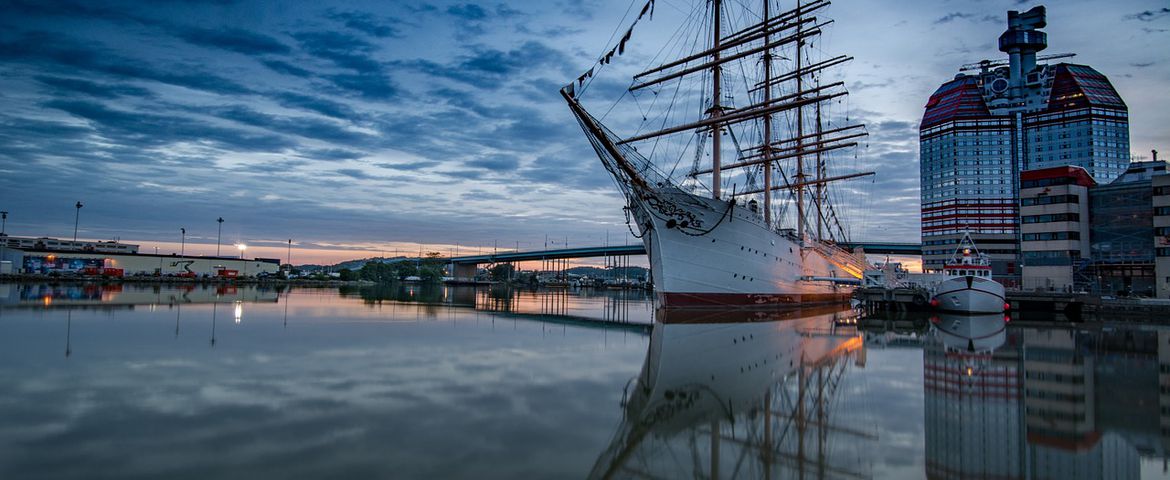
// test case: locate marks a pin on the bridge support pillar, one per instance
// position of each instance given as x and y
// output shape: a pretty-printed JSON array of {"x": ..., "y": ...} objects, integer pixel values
[{"x": 464, "y": 271}]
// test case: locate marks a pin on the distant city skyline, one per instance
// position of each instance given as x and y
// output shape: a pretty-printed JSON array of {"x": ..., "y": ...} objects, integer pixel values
[{"x": 359, "y": 128}]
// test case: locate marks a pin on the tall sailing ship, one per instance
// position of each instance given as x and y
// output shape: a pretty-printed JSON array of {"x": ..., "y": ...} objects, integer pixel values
[{"x": 774, "y": 238}]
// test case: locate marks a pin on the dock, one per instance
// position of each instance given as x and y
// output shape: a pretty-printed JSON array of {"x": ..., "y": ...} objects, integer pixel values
[{"x": 1070, "y": 305}]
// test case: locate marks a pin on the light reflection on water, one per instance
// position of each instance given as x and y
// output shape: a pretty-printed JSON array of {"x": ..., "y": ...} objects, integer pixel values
[{"x": 135, "y": 381}]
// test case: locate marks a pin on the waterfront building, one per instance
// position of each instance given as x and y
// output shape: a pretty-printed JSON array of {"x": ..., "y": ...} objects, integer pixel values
[
  {"x": 1161, "y": 201},
  {"x": 65, "y": 263},
  {"x": 1121, "y": 227},
  {"x": 979, "y": 129},
  {"x": 57, "y": 244},
  {"x": 1077, "y": 235},
  {"x": 1054, "y": 227}
]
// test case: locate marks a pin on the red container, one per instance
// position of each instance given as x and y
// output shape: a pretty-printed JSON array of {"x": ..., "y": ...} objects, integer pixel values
[
  {"x": 228, "y": 273},
  {"x": 113, "y": 272}
]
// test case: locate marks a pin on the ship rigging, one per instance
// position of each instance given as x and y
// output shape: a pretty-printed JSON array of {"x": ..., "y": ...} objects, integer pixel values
[{"x": 780, "y": 146}]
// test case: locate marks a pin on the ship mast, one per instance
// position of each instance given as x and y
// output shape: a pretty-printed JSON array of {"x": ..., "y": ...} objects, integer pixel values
[
  {"x": 799, "y": 130},
  {"x": 767, "y": 122},
  {"x": 819, "y": 189},
  {"x": 716, "y": 110}
]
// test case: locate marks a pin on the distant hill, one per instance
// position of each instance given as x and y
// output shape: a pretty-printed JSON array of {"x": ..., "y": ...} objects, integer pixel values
[
  {"x": 595, "y": 272},
  {"x": 351, "y": 264}
]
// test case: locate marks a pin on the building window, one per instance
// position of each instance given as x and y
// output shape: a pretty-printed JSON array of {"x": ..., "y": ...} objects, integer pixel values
[
  {"x": 1056, "y": 217},
  {"x": 1040, "y": 237},
  {"x": 1049, "y": 200}
]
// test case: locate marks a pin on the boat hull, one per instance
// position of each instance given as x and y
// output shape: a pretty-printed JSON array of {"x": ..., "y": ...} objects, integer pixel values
[
  {"x": 969, "y": 295},
  {"x": 710, "y": 253}
]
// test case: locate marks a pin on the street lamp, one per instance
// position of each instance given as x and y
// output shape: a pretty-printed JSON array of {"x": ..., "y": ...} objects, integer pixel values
[
  {"x": 76, "y": 217},
  {"x": 183, "y": 242},
  {"x": 3, "y": 241},
  {"x": 218, "y": 235},
  {"x": 243, "y": 247}
]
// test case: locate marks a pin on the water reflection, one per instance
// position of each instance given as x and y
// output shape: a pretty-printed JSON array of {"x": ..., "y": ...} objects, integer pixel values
[
  {"x": 322, "y": 386},
  {"x": 583, "y": 383},
  {"x": 611, "y": 306},
  {"x": 739, "y": 394},
  {"x": 1044, "y": 401},
  {"x": 52, "y": 295}
]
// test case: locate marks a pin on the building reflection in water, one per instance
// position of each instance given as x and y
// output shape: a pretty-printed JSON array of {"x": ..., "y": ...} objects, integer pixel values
[
  {"x": 128, "y": 295},
  {"x": 1004, "y": 401},
  {"x": 739, "y": 394}
]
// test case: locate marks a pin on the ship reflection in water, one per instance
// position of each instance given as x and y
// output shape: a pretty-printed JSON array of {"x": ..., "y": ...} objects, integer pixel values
[{"x": 740, "y": 394}]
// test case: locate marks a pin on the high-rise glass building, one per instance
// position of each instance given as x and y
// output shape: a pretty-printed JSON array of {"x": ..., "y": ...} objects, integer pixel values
[{"x": 981, "y": 129}]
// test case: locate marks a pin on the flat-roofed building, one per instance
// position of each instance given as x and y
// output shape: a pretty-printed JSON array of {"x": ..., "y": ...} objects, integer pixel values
[
  {"x": 1054, "y": 227},
  {"x": 58, "y": 244},
  {"x": 67, "y": 263},
  {"x": 1121, "y": 230},
  {"x": 1161, "y": 203}
]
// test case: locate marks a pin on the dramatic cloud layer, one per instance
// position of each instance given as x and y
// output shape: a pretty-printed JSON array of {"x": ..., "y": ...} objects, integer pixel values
[{"x": 373, "y": 126}]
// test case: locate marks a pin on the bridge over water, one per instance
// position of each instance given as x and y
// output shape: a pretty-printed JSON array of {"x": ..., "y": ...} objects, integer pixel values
[{"x": 465, "y": 266}]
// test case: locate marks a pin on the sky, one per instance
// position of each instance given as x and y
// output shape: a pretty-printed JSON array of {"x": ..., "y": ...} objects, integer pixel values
[{"x": 357, "y": 129}]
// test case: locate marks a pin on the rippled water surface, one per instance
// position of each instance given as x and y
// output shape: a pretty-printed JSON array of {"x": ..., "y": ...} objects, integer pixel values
[{"x": 138, "y": 381}]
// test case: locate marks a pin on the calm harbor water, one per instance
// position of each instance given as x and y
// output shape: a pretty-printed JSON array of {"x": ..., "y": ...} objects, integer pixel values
[{"x": 135, "y": 381}]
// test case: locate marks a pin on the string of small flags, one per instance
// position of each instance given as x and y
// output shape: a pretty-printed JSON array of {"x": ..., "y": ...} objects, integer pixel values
[{"x": 617, "y": 50}]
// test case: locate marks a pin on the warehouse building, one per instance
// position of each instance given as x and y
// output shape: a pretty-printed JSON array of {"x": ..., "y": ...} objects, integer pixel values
[{"x": 69, "y": 263}]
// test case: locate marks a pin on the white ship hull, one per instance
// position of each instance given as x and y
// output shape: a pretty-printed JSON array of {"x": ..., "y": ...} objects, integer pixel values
[
  {"x": 969, "y": 294},
  {"x": 707, "y": 252}
]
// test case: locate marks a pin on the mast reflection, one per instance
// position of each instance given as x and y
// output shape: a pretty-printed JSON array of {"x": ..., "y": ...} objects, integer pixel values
[{"x": 742, "y": 393}]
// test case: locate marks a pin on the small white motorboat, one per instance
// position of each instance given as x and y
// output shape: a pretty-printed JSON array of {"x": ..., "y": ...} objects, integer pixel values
[{"x": 968, "y": 287}]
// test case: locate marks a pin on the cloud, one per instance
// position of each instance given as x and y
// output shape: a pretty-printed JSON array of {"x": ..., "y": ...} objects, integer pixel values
[
  {"x": 974, "y": 17},
  {"x": 65, "y": 85},
  {"x": 332, "y": 154},
  {"x": 327, "y": 130},
  {"x": 55, "y": 51},
  {"x": 419, "y": 165},
  {"x": 344, "y": 50},
  {"x": 1149, "y": 15},
  {"x": 496, "y": 163},
  {"x": 355, "y": 173},
  {"x": 369, "y": 85},
  {"x": 467, "y": 11},
  {"x": 367, "y": 23},
  {"x": 234, "y": 39},
  {"x": 320, "y": 105},
  {"x": 281, "y": 66},
  {"x": 152, "y": 130},
  {"x": 477, "y": 195},
  {"x": 492, "y": 68}
]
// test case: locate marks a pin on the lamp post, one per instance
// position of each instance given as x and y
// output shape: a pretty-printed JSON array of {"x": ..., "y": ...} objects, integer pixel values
[
  {"x": 243, "y": 247},
  {"x": 183, "y": 242},
  {"x": 289, "y": 259},
  {"x": 76, "y": 218},
  {"x": 218, "y": 235},
  {"x": 3, "y": 241}
]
